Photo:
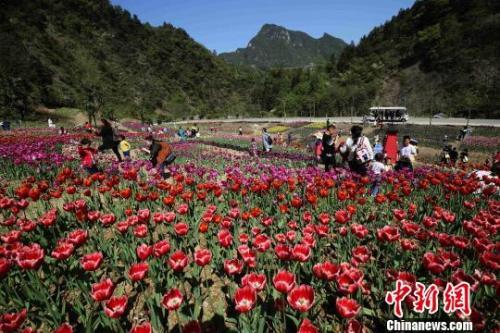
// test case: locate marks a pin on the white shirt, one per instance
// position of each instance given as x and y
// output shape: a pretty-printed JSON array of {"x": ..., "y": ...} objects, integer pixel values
[
  {"x": 408, "y": 151},
  {"x": 351, "y": 146},
  {"x": 377, "y": 167}
]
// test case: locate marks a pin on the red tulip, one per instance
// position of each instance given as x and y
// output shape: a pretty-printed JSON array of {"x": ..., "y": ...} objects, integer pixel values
[
  {"x": 262, "y": 243},
  {"x": 244, "y": 299},
  {"x": 30, "y": 256},
  {"x": 138, "y": 271},
  {"x": 353, "y": 326},
  {"x": 327, "y": 270},
  {"x": 12, "y": 236},
  {"x": 10, "y": 322},
  {"x": 347, "y": 307},
  {"x": 233, "y": 266},
  {"x": 202, "y": 257},
  {"x": 361, "y": 254},
  {"x": 172, "y": 300},
  {"x": 4, "y": 266},
  {"x": 93, "y": 215},
  {"x": 183, "y": 209},
  {"x": 115, "y": 306},
  {"x": 388, "y": 233},
  {"x": 359, "y": 230},
  {"x": 282, "y": 251},
  {"x": 107, "y": 219},
  {"x": 434, "y": 263},
  {"x": 143, "y": 251},
  {"x": 143, "y": 328},
  {"x": 225, "y": 238},
  {"x": 64, "y": 328},
  {"x": 490, "y": 260},
  {"x": 178, "y": 261},
  {"x": 301, "y": 298},
  {"x": 144, "y": 215},
  {"x": 342, "y": 216},
  {"x": 301, "y": 252},
  {"x": 307, "y": 327},
  {"x": 102, "y": 291},
  {"x": 91, "y": 261},
  {"x": 254, "y": 280},
  {"x": 77, "y": 237},
  {"x": 160, "y": 248},
  {"x": 141, "y": 231},
  {"x": 181, "y": 229},
  {"x": 63, "y": 251},
  {"x": 349, "y": 281},
  {"x": 284, "y": 281}
]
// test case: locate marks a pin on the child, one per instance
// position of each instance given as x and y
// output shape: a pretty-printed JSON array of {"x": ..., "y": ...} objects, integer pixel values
[
  {"x": 87, "y": 154},
  {"x": 318, "y": 150},
  {"x": 377, "y": 168},
  {"x": 124, "y": 147},
  {"x": 253, "y": 148}
]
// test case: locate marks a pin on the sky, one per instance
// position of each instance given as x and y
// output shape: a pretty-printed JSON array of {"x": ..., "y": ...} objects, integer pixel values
[{"x": 225, "y": 25}]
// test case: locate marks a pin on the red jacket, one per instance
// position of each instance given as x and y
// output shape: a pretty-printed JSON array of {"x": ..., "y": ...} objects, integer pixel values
[{"x": 87, "y": 156}]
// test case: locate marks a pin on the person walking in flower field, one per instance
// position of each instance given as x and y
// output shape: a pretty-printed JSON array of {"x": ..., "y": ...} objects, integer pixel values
[
  {"x": 253, "y": 148},
  {"x": 377, "y": 167},
  {"x": 358, "y": 151},
  {"x": 267, "y": 141},
  {"x": 87, "y": 156},
  {"x": 328, "y": 147},
  {"x": 124, "y": 147}
]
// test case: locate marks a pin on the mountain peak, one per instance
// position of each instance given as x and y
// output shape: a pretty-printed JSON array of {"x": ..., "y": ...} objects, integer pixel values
[{"x": 276, "y": 45}]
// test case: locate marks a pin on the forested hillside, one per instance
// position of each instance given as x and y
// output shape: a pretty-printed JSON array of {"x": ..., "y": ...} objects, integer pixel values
[
  {"x": 89, "y": 54},
  {"x": 438, "y": 56}
]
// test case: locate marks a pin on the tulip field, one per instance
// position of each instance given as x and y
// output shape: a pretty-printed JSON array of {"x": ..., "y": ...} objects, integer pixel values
[{"x": 232, "y": 243}]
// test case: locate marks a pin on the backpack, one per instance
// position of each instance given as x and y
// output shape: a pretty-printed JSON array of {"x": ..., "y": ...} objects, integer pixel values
[{"x": 362, "y": 155}]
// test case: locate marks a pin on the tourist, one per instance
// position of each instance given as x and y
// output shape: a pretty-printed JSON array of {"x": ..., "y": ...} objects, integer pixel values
[
  {"x": 267, "y": 141},
  {"x": 289, "y": 139},
  {"x": 253, "y": 148},
  {"x": 318, "y": 151},
  {"x": 464, "y": 156},
  {"x": 377, "y": 167},
  {"x": 181, "y": 133},
  {"x": 87, "y": 156},
  {"x": 195, "y": 131},
  {"x": 108, "y": 139},
  {"x": 463, "y": 133},
  {"x": 6, "y": 125},
  {"x": 487, "y": 178},
  {"x": 124, "y": 147},
  {"x": 377, "y": 148},
  {"x": 329, "y": 141},
  {"x": 87, "y": 127},
  {"x": 280, "y": 140},
  {"x": 357, "y": 150},
  {"x": 453, "y": 156},
  {"x": 240, "y": 131},
  {"x": 161, "y": 155},
  {"x": 62, "y": 131},
  {"x": 406, "y": 154},
  {"x": 414, "y": 143}
]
